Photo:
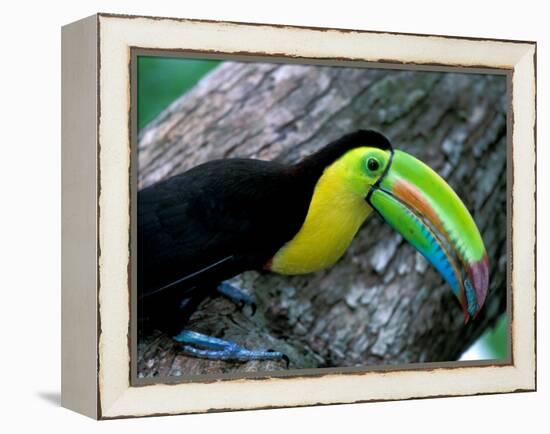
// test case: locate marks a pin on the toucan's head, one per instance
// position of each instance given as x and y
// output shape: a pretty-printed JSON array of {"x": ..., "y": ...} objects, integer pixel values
[{"x": 423, "y": 208}]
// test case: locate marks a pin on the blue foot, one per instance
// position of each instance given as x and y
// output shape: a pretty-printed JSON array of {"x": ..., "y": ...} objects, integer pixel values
[
  {"x": 237, "y": 295},
  {"x": 220, "y": 349}
]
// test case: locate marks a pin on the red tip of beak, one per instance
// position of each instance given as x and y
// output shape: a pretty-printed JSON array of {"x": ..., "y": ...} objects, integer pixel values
[{"x": 478, "y": 274}]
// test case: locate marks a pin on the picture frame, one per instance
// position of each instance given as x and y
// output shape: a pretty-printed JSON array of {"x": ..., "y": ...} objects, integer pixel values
[{"x": 98, "y": 184}]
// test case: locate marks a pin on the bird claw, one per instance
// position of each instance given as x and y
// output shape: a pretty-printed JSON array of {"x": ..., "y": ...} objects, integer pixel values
[
  {"x": 252, "y": 305},
  {"x": 240, "y": 297},
  {"x": 221, "y": 349},
  {"x": 285, "y": 358}
]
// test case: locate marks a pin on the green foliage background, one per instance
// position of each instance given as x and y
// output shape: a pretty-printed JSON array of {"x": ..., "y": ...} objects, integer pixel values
[{"x": 161, "y": 80}]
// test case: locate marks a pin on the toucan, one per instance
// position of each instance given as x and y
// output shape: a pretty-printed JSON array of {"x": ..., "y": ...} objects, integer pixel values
[{"x": 200, "y": 228}]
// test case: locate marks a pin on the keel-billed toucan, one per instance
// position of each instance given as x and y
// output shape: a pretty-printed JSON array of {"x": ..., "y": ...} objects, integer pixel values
[{"x": 221, "y": 218}]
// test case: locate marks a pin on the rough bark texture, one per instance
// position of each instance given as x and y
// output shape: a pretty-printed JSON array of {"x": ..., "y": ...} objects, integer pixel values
[{"x": 382, "y": 303}]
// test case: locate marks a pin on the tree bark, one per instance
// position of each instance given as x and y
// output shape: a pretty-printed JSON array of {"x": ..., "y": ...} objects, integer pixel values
[{"x": 382, "y": 303}]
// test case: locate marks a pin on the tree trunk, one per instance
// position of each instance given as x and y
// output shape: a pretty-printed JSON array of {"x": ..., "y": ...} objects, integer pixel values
[{"x": 382, "y": 303}]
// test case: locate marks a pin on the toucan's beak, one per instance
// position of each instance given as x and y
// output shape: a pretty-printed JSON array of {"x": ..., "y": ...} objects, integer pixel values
[{"x": 425, "y": 210}]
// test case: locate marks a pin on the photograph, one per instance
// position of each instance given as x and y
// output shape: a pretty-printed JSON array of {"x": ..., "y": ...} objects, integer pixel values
[{"x": 293, "y": 217}]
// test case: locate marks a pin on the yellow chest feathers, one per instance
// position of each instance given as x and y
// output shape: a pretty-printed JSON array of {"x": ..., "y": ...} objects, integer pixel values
[{"x": 335, "y": 214}]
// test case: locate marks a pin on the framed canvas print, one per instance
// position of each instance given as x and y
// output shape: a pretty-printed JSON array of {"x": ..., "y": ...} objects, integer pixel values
[{"x": 259, "y": 216}]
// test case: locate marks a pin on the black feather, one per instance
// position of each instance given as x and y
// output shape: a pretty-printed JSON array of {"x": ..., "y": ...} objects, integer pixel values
[{"x": 219, "y": 219}]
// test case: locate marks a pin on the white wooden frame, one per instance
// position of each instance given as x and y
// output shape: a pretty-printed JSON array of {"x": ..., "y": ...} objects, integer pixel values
[{"x": 96, "y": 217}]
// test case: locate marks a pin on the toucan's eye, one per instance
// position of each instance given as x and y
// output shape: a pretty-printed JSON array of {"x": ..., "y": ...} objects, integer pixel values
[{"x": 373, "y": 164}]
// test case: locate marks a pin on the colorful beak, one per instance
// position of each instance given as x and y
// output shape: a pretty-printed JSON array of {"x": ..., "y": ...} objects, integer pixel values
[{"x": 425, "y": 210}]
